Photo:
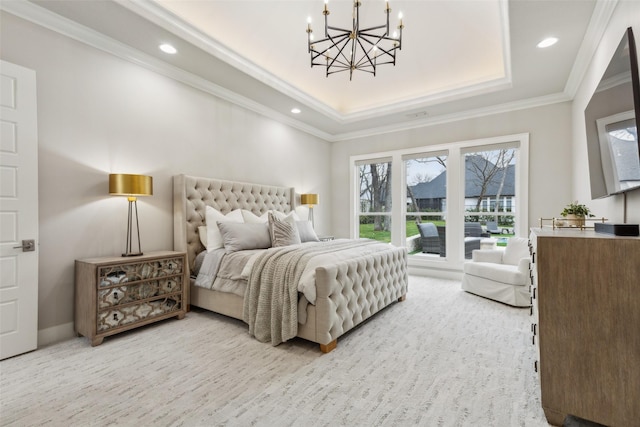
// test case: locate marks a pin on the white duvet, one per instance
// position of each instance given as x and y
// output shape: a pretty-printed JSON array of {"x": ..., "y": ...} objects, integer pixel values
[{"x": 229, "y": 275}]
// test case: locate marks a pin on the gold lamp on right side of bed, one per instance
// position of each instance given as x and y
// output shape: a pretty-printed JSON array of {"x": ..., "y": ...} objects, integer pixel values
[{"x": 310, "y": 200}]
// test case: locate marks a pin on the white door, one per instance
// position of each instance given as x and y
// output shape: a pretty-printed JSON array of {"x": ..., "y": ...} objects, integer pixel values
[{"x": 18, "y": 211}]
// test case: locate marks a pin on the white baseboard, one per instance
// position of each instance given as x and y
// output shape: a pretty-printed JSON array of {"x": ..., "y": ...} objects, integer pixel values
[{"x": 55, "y": 334}]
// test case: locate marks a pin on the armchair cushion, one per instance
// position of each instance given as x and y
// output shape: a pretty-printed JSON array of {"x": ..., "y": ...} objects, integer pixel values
[
  {"x": 517, "y": 248},
  {"x": 502, "y": 273},
  {"x": 488, "y": 255}
]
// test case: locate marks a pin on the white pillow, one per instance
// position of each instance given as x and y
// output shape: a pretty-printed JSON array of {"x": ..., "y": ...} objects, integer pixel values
[
  {"x": 212, "y": 217},
  {"x": 239, "y": 237},
  {"x": 202, "y": 232},
  {"x": 306, "y": 232},
  {"x": 251, "y": 218}
]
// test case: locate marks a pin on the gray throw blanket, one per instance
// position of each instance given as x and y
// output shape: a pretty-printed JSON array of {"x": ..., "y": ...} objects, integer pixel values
[{"x": 271, "y": 298}]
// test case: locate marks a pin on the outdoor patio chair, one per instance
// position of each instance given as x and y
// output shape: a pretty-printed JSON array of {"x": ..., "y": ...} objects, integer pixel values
[
  {"x": 492, "y": 227},
  {"x": 470, "y": 242},
  {"x": 429, "y": 238}
]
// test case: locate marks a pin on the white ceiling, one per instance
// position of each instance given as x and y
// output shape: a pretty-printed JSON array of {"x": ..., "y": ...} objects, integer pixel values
[
  {"x": 460, "y": 58},
  {"x": 272, "y": 35}
]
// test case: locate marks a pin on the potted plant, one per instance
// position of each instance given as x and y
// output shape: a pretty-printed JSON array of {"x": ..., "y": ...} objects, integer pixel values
[{"x": 576, "y": 213}]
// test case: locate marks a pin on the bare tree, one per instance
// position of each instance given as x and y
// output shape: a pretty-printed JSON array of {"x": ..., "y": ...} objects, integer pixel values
[
  {"x": 504, "y": 160},
  {"x": 487, "y": 168},
  {"x": 375, "y": 189}
]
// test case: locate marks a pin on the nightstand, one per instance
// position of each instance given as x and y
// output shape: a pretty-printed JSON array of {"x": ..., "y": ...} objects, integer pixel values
[{"x": 115, "y": 294}]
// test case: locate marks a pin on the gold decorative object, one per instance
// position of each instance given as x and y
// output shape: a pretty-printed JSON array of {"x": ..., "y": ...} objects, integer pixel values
[
  {"x": 568, "y": 223},
  {"x": 310, "y": 200},
  {"x": 131, "y": 186}
]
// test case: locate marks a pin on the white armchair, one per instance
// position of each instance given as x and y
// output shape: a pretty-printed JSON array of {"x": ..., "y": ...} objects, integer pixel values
[{"x": 500, "y": 275}]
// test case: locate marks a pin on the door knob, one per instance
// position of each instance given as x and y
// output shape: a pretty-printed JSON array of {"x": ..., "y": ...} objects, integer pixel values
[{"x": 27, "y": 246}]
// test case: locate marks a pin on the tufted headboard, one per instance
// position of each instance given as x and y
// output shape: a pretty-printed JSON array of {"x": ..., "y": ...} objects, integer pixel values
[{"x": 191, "y": 194}]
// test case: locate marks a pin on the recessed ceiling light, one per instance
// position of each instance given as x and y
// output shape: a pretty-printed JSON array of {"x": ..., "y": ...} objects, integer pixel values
[
  {"x": 296, "y": 110},
  {"x": 549, "y": 41},
  {"x": 167, "y": 48}
]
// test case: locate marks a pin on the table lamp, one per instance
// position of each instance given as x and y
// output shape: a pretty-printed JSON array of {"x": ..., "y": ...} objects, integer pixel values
[
  {"x": 131, "y": 186},
  {"x": 310, "y": 200}
]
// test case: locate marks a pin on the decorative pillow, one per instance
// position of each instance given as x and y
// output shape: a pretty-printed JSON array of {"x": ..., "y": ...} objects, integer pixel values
[
  {"x": 212, "y": 217},
  {"x": 306, "y": 232},
  {"x": 283, "y": 232},
  {"x": 202, "y": 232},
  {"x": 243, "y": 236},
  {"x": 517, "y": 248},
  {"x": 250, "y": 217}
]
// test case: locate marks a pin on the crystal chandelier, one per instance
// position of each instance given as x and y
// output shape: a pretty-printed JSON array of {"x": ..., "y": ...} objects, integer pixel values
[{"x": 354, "y": 49}]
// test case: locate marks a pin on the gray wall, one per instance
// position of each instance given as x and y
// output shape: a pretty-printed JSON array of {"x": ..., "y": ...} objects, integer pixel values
[
  {"x": 98, "y": 114},
  {"x": 549, "y": 131}
]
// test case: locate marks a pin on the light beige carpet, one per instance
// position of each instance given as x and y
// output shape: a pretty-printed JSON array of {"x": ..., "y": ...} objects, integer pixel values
[{"x": 441, "y": 358}]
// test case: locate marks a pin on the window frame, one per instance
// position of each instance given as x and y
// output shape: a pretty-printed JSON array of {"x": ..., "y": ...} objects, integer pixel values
[{"x": 455, "y": 200}]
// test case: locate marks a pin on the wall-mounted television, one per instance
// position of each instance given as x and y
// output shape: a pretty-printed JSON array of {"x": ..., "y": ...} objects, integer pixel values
[{"x": 611, "y": 119}]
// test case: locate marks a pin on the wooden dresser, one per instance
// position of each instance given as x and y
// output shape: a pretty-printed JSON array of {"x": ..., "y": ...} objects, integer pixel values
[
  {"x": 115, "y": 294},
  {"x": 586, "y": 325}
]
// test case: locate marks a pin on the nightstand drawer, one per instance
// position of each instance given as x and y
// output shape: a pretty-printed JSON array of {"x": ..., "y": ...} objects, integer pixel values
[
  {"x": 116, "y": 274},
  {"x": 117, "y": 295},
  {"x": 120, "y": 293},
  {"x": 133, "y": 313}
]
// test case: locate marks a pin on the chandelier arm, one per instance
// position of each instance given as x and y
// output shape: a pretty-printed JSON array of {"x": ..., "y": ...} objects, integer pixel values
[
  {"x": 365, "y": 54},
  {"x": 344, "y": 30},
  {"x": 377, "y": 27}
]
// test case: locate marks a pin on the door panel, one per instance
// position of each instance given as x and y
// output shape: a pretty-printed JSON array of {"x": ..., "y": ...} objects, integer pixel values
[{"x": 18, "y": 211}]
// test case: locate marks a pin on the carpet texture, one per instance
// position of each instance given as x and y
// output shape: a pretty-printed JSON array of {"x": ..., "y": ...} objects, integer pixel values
[{"x": 443, "y": 357}]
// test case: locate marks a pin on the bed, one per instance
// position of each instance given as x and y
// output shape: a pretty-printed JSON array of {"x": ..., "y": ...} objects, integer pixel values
[{"x": 347, "y": 292}]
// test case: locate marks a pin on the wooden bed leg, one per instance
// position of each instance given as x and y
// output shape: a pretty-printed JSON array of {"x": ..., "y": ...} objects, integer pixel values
[
  {"x": 402, "y": 298},
  {"x": 326, "y": 348}
]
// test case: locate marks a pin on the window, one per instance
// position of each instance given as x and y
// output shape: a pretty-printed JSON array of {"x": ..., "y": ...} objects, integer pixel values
[
  {"x": 489, "y": 178},
  {"x": 426, "y": 210},
  {"x": 447, "y": 186},
  {"x": 374, "y": 205}
]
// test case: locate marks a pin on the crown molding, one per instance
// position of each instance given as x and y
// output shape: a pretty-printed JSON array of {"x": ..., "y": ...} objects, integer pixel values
[
  {"x": 595, "y": 31},
  {"x": 454, "y": 117}
]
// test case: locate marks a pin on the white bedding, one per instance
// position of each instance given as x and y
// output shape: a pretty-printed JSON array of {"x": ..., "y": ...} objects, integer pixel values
[{"x": 236, "y": 283}]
